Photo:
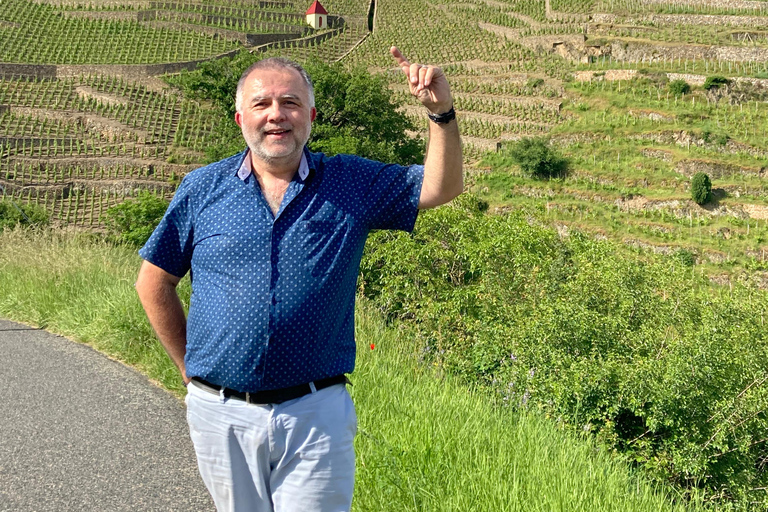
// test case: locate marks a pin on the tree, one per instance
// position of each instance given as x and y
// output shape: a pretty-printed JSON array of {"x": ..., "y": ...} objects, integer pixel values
[
  {"x": 679, "y": 87},
  {"x": 357, "y": 114},
  {"x": 538, "y": 159},
  {"x": 701, "y": 188},
  {"x": 715, "y": 81}
]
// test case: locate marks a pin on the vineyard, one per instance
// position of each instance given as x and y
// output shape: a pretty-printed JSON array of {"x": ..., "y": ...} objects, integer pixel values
[
  {"x": 638, "y": 95},
  {"x": 593, "y": 75}
]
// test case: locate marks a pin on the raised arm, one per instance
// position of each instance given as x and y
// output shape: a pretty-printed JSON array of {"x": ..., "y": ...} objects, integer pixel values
[
  {"x": 157, "y": 293},
  {"x": 443, "y": 173}
]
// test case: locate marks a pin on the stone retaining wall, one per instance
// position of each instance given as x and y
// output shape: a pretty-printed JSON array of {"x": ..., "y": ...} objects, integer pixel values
[
  {"x": 260, "y": 39},
  {"x": 716, "y": 4},
  {"x": 716, "y": 170},
  {"x": 215, "y": 19},
  {"x": 643, "y": 52},
  {"x": 126, "y": 70},
  {"x": 259, "y": 5},
  {"x": 301, "y": 43},
  {"x": 681, "y": 19}
]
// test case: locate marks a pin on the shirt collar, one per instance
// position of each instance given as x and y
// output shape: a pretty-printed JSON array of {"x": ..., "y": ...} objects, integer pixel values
[{"x": 245, "y": 169}]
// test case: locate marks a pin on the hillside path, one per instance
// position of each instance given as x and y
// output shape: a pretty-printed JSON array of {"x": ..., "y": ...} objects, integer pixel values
[{"x": 80, "y": 432}]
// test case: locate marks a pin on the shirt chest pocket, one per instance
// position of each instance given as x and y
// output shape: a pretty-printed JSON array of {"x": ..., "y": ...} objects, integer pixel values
[{"x": 322, "y": 244}]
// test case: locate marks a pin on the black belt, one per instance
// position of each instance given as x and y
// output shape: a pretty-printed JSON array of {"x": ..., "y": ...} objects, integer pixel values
[{"x": 273, "y": 396}]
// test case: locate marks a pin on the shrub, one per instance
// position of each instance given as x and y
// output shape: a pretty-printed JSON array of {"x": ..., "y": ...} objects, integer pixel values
[
  {"x": 686, "y": 257},
  {"x": 715, "y": 81},
  {"x": 533, "y": 83},
  {"x": 538, "y": 159},
  {"x": 679, "y": 87},
  {"x": 645, "y": 355},
  {"x": 133, "y": 220},
  {"x": 701, "y": 188},
  {"x": 13, "y": 214}
]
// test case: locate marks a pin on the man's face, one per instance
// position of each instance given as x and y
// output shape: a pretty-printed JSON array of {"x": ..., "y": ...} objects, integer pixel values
[{"x": 276, "y": 115}]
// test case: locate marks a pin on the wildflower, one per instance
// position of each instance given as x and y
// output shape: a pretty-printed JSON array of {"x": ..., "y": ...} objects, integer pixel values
[{"x": 373, "y": 346}]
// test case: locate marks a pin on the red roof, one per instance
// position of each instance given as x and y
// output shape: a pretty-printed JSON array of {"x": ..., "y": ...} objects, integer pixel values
[{"x": 316, "y": 8}]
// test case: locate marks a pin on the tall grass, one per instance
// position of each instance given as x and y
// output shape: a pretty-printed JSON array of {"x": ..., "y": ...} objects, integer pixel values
[{"x": 425, "y": 442}]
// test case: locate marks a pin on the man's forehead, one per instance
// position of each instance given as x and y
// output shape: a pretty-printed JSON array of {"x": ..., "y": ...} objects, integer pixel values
[{"x": 276, "y": 77}]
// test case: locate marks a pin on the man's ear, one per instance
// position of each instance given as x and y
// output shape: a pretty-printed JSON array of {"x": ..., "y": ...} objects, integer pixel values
[
  {"x": 312, "y": 114},
  {"x": 239, "y": 119}
]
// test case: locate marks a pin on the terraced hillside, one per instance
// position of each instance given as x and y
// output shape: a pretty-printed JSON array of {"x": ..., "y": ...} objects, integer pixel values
[{"x": 594, "y": 75}]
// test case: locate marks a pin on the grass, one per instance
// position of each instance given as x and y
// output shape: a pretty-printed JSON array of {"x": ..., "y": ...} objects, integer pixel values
[{"x": 425, "y": 442}]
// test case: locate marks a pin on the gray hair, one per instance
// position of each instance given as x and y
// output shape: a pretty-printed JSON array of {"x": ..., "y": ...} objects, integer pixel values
[{"x": 273, "y": 63}]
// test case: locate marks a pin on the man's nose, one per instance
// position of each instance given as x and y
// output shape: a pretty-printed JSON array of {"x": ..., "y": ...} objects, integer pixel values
[{"x": 275, "y": 113}]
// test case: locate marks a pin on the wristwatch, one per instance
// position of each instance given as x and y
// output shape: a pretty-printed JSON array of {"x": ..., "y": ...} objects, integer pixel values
[{"x": 444, "y": 118}]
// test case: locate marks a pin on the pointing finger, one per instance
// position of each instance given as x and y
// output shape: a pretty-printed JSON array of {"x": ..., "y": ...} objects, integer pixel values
[{"x": 401, "y": 61}]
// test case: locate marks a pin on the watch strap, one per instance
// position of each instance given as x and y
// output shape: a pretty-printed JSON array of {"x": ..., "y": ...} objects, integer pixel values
[{"x": 444, "y": 118}]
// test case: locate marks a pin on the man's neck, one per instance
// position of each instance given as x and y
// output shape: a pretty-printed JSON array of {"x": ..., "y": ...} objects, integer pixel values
[{"x": 275, "y": 170}]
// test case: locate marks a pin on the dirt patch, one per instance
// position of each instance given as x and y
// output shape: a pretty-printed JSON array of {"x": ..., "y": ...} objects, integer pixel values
[
  {"x": 756, "y": 211},
  {"x": 680, "y": 208},
  {"x": 609, "y": 75},
  {"x": 649, "y": 114},
  {"x": 658, "y": 154}
]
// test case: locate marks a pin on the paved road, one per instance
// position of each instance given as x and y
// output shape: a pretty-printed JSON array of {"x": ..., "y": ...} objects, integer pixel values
[{"x": 80, "y": 432}]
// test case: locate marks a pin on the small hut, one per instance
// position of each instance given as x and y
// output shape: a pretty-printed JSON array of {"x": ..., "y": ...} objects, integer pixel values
[{"x": 317, "y": 16}]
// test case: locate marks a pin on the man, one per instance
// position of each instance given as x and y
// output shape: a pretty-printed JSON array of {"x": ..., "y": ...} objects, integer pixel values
[{"x": 273, "y": 238}]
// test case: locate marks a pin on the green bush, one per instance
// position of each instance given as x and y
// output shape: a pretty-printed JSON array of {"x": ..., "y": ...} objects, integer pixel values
[
  {"x": 701, "y": 188},
  {"x": 538, "y": 159},
  {"x": 133, "y": 220},
  {"x": 533, "y": 83},
  {"x": 645, "y": 355},
  {"x": 13, "y": 214},
  {"x": 715, "y": 81},
  {"x": 679, "y": 87}
]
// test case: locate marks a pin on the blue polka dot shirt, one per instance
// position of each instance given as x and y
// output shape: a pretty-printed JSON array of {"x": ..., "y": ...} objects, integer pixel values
[{"x": 273, "y": 296}]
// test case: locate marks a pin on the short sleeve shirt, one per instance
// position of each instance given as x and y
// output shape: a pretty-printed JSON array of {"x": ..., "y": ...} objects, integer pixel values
[{"x": 273, "y": 296}]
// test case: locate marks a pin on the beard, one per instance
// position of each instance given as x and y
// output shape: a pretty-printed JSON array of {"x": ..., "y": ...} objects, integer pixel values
[{"x": 275, "y": 151}]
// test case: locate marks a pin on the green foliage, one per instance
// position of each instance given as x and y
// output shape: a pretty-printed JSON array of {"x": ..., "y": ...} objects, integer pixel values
[
  {"x": 356, "y": 112},
  {"x": 538, "y": 159},
  {"x": 533, "y": 83},
  {"x": 715, "y": 81},
  {"x": 644, "y": 355},
  {"x": 133, "y": 220},
  {"x": 701, "y": 188},
  {"x": 679, "y": 87},
  {"x": 686, "y": 257},
  {"x": 13, "y": 214}
]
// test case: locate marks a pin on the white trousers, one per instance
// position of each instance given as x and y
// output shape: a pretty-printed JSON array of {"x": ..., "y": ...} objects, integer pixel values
[{"x": 297, "y": 456}]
